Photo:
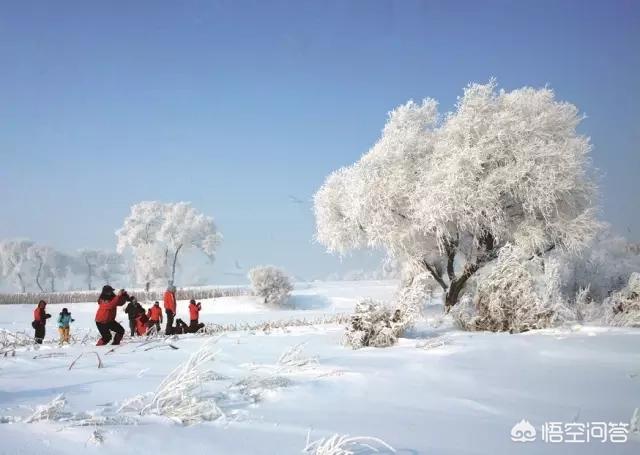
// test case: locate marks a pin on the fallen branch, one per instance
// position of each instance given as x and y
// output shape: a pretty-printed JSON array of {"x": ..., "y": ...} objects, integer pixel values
[
  {"x": 100, "y": 364},
  {"x": 50, "y": 355}
]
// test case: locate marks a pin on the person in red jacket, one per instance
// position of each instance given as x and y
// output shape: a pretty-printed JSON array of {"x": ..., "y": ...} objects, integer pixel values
[
  {"x": 155, "y": 316},
  {"x": 170, "y": 307},
  {"x": 194, "y": 315},
  {"x": 40, "y": 317},
  {"x": 141, "y": 323},
  {"x": 108, "y": 304}
]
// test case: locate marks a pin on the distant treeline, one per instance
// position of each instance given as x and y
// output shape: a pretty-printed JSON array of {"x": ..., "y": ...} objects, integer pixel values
[{"x": 197, "y": 293}]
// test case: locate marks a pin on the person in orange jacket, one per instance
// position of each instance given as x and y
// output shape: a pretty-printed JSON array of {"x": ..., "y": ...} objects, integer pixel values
[
  {"x": 194, "y": 315},
  {"x": 108, "y": 304},
  {"x": 155, "y": 316},
  {"x": 170, "y": 307},
  {"x": 40, "y": 317}
]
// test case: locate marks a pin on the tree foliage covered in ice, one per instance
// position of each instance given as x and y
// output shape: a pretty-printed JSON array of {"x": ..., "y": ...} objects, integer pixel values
[
  {"x": 602, "y": 268},
  {"x": 624, "y": 306},
  {"x": 447, "y": 193},
  {"x": 515, "y": 296},
  {"x": 271, "y": 283},
  {"x": 99, "y": 264},
  {"x": 158, "y": 232}
]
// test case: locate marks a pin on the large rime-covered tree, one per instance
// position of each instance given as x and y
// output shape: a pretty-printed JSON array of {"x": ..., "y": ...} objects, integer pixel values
[
  {"x": 157, "y": 233},
  {"x": 447, "y": 193}
]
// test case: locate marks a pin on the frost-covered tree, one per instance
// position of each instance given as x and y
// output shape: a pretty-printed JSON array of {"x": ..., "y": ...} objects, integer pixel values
[
  {"x": 99, "y": 264},
  {"x": 604, "y": 267},
  {"x": 15, "y": 263},
  {"x": 446, "y": 193},
  {"x": 23, "y": 262},
  {"x": 48, "y": 265},
  {"x": 158, "y": 232},
  {"x": 270, "y": 283}
]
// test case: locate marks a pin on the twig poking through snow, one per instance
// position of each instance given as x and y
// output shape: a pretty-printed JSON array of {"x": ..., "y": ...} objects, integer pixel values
[
  {"x": 344, "y": 445},
  {"x": 437, "y": 342},
  {"x": 49, "y": 411},
  {"x": 96, "y": 438},
  {"x": 293, "y": 357},
  {"x": 175, "y": 396},
  {"x": 634, "y": 424}
]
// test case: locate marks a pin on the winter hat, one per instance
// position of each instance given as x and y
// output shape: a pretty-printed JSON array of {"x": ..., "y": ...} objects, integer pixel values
[
  {"x": 106, "y": 288},
  {"x": 192, "y": 302},
  {"x": 64, "y": 310}
]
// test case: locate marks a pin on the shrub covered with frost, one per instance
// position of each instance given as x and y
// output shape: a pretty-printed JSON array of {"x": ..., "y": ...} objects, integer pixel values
[
  {"x": 373, "y": 324},
  {"x": 624, "y": 306},
  {"x": 512, "y": 298},
  {"x": 270, "y": 283}
]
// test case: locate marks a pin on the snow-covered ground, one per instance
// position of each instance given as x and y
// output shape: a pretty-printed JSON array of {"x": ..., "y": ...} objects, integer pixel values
[{"x": 440, "y": 391}]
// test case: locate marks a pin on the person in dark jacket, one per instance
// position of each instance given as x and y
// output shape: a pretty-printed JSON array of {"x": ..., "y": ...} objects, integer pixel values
[
  {"x": 40, "y": 317},
  {"x": 180, "y": 327},
  {"x": 108, "y": 304},
  {"x": 194, "y": 315},
  {"x": 133, "y": 310}
]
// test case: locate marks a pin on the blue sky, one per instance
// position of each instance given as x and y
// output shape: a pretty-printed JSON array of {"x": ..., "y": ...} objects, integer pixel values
[{"x": 235, "y": 105}]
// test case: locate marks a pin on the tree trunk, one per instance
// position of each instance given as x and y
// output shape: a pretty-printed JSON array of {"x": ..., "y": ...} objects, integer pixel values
[
  {"x": 173, "y": 267},
  {"x": 38, "y": 277},
  {"x": 89, "y": 274},
  {"x": 21, "y": 281}
]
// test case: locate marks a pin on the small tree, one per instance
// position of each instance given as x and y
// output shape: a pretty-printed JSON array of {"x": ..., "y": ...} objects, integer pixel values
[
  {"x": 104, "y": 265},
  {"x": 270, "y": 283},
  {"x": 157, "y": 233},
  {"x": 447, "y": 193}
]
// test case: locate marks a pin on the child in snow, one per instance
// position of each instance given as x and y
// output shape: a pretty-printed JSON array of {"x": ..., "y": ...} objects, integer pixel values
[
  {"x": 40, "y": 317},
  {"x": 64, "y": 323}
]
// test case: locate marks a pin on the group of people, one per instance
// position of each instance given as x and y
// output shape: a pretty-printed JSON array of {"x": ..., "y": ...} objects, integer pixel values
[
  {"x": 40, "y": 317},
  {"x": 140, "y": 321}
]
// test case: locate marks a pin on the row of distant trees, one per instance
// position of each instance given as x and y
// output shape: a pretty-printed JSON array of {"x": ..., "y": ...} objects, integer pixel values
[{"x": 152, "y": 239}]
